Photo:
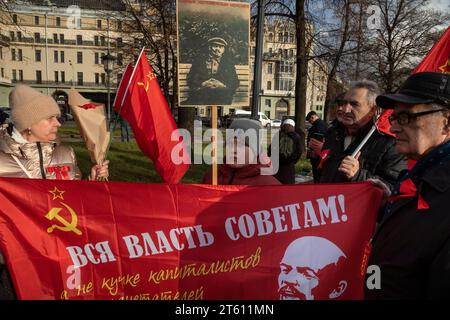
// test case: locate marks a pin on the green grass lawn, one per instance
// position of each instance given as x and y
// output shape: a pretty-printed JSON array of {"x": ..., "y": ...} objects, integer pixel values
[{"x": 127, "y": 163}]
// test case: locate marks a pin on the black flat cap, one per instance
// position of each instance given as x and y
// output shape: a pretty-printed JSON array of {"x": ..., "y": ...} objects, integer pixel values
[{"x": 421, "y": 87}]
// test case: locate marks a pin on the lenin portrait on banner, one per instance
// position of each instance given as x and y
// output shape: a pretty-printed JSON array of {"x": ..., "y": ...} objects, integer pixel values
[{"x": 213, "y": 53}]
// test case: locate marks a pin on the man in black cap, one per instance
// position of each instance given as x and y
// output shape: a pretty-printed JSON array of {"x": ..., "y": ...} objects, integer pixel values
[
  {"x": 314, "y": 140},
  {"x": 212, "y": 78},
  {"x": 412, "y": 243}
]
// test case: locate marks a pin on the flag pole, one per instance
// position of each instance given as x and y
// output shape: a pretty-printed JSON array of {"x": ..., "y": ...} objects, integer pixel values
[
  {"x": 214, "y": 144},
  {"x": 363, "y": 143},
  {"x": 116, "y": 118}
]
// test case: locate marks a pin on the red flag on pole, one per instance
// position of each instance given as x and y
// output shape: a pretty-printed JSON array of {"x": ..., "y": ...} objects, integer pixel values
[
  {"x": 383, "y": 124},
  {"x": 126, "y": 77},
  {"x": 438, "y": 59},
  {"x": 146, "y": 110}
]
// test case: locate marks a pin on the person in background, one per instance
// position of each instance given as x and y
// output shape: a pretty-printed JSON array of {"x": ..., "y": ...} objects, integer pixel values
[
  {"x": 377, "y": 159},
  {"x": 314, "y": 140},
  {"x": 245, "y": 165},
  {"x": 290, "y": 151}
]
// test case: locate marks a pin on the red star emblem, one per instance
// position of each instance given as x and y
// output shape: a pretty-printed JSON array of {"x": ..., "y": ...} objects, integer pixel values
[{"x": 57, "y": 193}]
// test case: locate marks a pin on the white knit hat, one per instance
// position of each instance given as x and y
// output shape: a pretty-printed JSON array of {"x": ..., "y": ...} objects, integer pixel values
[{"x": 289, "y": 122}]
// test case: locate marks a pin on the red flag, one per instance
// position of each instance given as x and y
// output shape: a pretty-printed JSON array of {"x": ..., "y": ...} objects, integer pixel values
[
  {"x": 148, "y": 114},
  {"x": 123, "y": 86},
  {"x": 438, "y": 59},
  {"x": 383, "y": 124}
]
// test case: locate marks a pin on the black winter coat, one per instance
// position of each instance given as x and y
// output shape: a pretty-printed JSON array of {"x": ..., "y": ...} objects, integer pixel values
[
  {"x": 412, "y": 247},
  {"x": 287, "y": 160},
  {"x": 378, "y": 157}
]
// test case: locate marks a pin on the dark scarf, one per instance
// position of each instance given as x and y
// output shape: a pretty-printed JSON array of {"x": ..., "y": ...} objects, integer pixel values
[{"x": 410, "y": 179}]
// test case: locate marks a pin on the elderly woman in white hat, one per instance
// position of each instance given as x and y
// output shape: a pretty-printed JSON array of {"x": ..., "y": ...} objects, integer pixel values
[{"x": 32, "y": 150}]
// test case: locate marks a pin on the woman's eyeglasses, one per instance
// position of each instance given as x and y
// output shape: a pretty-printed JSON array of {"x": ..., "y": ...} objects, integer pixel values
[{"x": 403, "y": 118}]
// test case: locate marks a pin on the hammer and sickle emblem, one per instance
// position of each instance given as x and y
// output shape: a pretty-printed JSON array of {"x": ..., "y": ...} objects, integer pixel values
[
  {"x": 146, "y": 85},
  {"x": 67, "y": 226}
]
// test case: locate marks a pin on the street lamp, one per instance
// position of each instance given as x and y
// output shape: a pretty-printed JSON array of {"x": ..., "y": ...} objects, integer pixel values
[
  {"x": 108, "y": 63},
  {"x": 73, "y": 73}
]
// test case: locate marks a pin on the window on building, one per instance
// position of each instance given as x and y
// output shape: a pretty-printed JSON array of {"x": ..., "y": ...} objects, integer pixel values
[
  {"x": 80, "y": 78},
  {"x": 119, "y": 42},
  {"x": 271, "y": 37},
  {"x": 14, "y": 75},
  {"x": 286, "y": 37},
  {"x": 58, "y": 21},
  {"x": 19, "y": 36},
  {"x": 79, "y": 39},
  {"x": 55, "y": 56},
  {"x": 79, "y": 57},
  {"x": 269, "y": 85},
  {"x": 38, "y": 76},
  {"x": 2, "y": 72},
  {"x": 267, "y": 114},
  {"x": 280, "y": 36},
  {"x": 12, "y": 36},
  {"x": 285, "y": 84},
  {"x": 97, "y": 78},
  {"x": 291, "y": 53},
  {"x": 14, "y": 17},
  {"x": 79, "y": 23},
  {"x": 56, "y": 76},
  {"x": 13, "y": 54},
  {"x": 21, "y": 75},
  {"x": 1, "y": 53},
  {"x": 103, "y": 77},
  {"x": 37, "y": 55},
  {"x": 280, "y": 52},
  {"x": 99, "y": 24},
  {"x": 292, "y": 36},
  {"x": 96, "y": 40},
  {"x": 36, "y": 20},
  {"x": 61, "y": 38},
  {"x": 119, "y": 25},
  {"x": 63, "y": 76},
  {"x": 269, "y": 68},
  {"x": 268, "y": 103},
  {"x": 270, "y": 51},
  {"x": 20, "y": 55},
  {"x": 96, "y": 58},
  {"x": 55, "y": 38},
  {"x": 119, "y": 59},
  {"x": 102, "y": 41},
  {"x": 37, "y": 37},
  {"x": 62, "y": 56}
]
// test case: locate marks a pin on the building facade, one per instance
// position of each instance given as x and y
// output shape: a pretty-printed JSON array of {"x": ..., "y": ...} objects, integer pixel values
[{"x": 55, "y": 46}]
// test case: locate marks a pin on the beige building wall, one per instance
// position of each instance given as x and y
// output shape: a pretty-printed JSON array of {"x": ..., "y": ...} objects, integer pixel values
[{"x": 49, "y": 50}]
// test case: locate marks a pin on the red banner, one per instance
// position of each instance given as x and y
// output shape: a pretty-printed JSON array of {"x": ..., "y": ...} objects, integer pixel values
[{"x": 112, "y": 240}]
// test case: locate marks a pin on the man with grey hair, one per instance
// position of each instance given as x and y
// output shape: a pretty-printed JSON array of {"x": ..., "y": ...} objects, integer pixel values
[{"x": 377, "y": 159}]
